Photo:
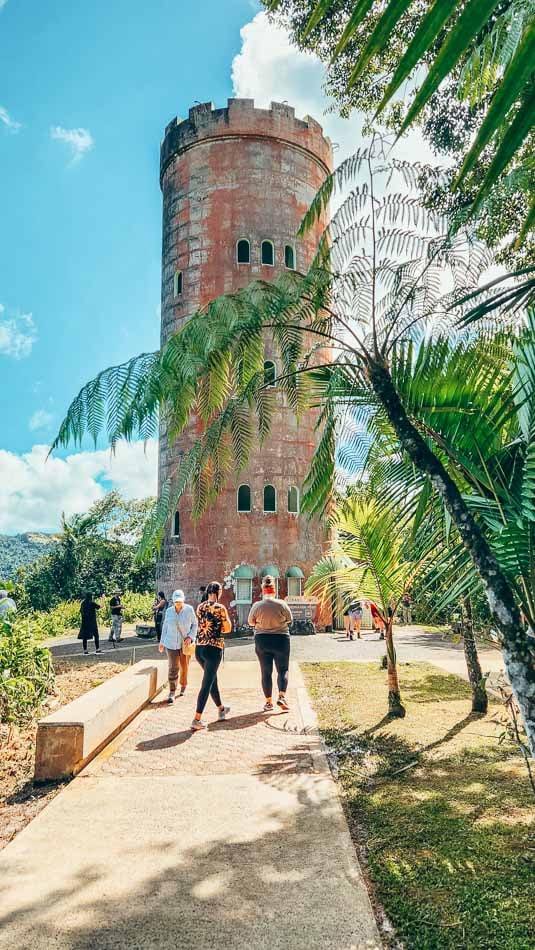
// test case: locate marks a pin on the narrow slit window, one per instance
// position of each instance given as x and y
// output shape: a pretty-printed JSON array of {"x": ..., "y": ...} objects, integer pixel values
[
  {"x": 244, "y": 498},
  {"x": 289, "y": 257},
  {"x": 176, "y": 524},
  {"x": 268, "y": 253},
  {"x": 177, "y": 283},
  {"x": 293, "y": 500},
  {"x": 270, "y": 498},
  {"x": 270, "y": 373},
  {"x": 243, "y": 251}
]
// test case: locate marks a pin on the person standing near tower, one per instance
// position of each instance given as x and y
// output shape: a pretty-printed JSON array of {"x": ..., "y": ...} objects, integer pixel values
[
  {"x": 214, "y": 623},
  {"x": 179, "y": 631},
  {"x": 271, "y": 618}
]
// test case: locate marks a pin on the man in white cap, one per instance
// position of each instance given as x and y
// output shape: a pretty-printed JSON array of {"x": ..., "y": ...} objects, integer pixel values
[
  {"x": 6, "y": 603},
  {"x": 179, "y": 629}
]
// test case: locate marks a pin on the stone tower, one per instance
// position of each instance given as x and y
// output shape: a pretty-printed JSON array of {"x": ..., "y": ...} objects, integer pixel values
[{"x": 236, "y": 183}]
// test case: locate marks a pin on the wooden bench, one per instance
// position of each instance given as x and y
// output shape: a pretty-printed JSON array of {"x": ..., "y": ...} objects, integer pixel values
[{"x": 69, "y": 738}]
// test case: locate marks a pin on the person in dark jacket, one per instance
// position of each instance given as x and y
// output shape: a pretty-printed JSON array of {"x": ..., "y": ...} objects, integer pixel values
[
  {"x": 159, "y": 607},
  {"x": 89, "y": 626}
]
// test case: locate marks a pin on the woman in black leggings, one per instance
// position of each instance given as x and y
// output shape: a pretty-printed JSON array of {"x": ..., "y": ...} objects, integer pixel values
[
  {"x": 271, "y": 619},
  {"x": 214, "y": 622}
]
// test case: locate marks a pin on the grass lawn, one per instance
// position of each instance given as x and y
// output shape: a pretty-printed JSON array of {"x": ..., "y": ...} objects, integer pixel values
[{"x": 449, "y": 841}]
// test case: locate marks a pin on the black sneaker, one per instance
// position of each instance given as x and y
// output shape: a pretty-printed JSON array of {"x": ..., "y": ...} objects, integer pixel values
[{"x": 283, "y": 703}]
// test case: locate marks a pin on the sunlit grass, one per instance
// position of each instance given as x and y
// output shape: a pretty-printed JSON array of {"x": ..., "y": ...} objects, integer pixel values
[{"x": 445, "y": 811}]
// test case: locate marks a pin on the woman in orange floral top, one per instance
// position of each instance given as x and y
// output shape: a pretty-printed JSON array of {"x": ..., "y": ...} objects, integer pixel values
[{"x": 214, "y": 622}]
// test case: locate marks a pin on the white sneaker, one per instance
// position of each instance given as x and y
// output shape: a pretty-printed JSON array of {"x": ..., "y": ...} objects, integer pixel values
[
  {"x": 197, "y": 725},
  {"x": 223, "y": 713},
  {"x": 171, "y": 698}
]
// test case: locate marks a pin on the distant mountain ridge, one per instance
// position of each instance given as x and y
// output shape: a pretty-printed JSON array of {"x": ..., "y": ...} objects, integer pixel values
[{"x": 18, "y": 550}]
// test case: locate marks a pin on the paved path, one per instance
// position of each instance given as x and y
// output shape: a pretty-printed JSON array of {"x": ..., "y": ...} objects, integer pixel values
[
  {"x": 233, "y": 838},
  {"x": 412, "y": 644}
]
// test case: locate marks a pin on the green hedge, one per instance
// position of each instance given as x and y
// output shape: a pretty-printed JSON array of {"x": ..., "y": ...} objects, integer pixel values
[
  {"x": 26, "y": 673},
  {"x": 66, "y": 615}
]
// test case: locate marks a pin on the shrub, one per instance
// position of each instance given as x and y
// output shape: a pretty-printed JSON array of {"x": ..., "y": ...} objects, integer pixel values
[
  {"x": 65, "y": 616},
  {"x": 26, "y": 673}
]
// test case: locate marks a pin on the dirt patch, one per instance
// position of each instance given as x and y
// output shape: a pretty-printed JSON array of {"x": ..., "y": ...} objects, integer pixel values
[{"x": 20, "y": 801}]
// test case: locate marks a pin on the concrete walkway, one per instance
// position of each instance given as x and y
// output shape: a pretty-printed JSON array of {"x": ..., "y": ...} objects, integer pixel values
[
  {"x": 233, "y": 838},
  {"x": 413, "y": 644}
]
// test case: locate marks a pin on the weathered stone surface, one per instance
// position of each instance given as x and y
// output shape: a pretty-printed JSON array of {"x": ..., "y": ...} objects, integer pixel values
[
  {"x": 70, "y": 737},
  {"x": 228, "y": 174}
]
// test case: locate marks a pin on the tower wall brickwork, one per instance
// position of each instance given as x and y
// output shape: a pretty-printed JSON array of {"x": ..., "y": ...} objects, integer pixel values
[{"x": 231, "y": 174}]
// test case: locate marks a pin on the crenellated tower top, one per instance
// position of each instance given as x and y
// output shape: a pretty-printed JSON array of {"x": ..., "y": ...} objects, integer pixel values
[{"x": 241, "y": 119}]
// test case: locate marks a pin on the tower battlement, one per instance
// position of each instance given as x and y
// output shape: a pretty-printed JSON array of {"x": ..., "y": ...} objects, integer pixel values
[{"x": 241, "y": 119}]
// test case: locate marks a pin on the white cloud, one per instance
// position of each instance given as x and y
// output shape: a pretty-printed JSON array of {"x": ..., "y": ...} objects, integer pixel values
[
  {"x": 18, "y": 333},
  {"x": 5, "y": 117},
  {"x": 41, "y": 419},
  {"x": 79, "y": 141},
  {"x": 268, "y": 67},
  {"x": 34, "y": 490}
]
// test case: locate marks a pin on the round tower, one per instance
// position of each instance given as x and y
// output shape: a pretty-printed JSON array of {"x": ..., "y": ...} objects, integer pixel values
[{"x": 236, "y": 183}]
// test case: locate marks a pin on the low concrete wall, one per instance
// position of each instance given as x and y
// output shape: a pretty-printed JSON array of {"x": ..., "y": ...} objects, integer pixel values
[{"x": 70, "y": 737}]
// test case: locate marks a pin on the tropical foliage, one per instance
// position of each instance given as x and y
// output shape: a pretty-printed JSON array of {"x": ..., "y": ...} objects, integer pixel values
[
  {"x": 371, "y": 559},
  {"x": 467, "y": 81},
  {"x": 65, "y": 616},
  {"x": 26, "y": 674},
  {"x": 94, "y": 551},
  {"x": 377, "y": 284}
]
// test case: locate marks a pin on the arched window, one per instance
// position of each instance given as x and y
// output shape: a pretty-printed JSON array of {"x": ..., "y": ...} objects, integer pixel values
[
  {"x": 243, "y": 251},
  {"x": 294, "y": 581},
  {"x": 176, "y": 524},
  {"x": 244, "y": 498},
  {"x": 289, "y": 257},
  {"x": 293, "y": 500},
  {"x": 270, "y": 373},
  {"x": 177, "y": 283},
  {"x": 268, "y": 253},
  {"x": 270, "y": 498}
]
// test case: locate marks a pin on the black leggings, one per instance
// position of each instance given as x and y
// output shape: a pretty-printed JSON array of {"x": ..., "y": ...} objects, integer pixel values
[
  {"x": 97, "y": 642},
  {"x": 271, "y": 647},
  {"x": 209, "y": 658}
]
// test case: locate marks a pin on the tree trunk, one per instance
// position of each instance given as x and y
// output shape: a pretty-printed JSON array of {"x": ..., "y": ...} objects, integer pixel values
[
  {"x": 395, "y": 706},
  {"x": 517, "y": 654},
  {"x": 480, "y": 700}
]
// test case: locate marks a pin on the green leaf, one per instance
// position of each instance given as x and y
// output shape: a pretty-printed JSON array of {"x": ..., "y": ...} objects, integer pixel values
[
  {"x": 470, "y": 22},
  {"x": 514, "y": 79},
  {"x": 321, "y": 8},
  {"x": 379, "y": 37},
  {"x": 512, "y": 140},
  {"x": 431, "y": 25},
  {"x": 362, "y": 7}
]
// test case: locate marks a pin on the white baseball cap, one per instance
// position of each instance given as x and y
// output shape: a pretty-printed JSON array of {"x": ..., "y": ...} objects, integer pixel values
[{"x": 178, "y": 595}]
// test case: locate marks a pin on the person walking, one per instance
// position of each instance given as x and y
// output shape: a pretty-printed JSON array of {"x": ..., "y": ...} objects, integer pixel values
[
  {"x": 348, "y": 622},
  {"x": 179, "y": 631},
  {"x": 89, "y": 625},
  {"x": 270, "y": 619},
  {"x": 159, "y": 607},
  {"x": 116, "y": 609},
  {"x": 406, "y": 611},
  {"x": 355, "y": 612},
  {"x": 377, "y": 620},
  {"x": 214, "y": 623}
]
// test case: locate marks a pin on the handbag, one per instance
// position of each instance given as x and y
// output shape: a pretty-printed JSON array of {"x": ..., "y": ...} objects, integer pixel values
[{"x": 188, "y": 649}]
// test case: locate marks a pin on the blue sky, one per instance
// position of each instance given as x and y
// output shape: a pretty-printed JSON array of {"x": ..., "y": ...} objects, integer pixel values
[
  {"x": 80, "y": 239},
  {"x": 86, "y": 91}
]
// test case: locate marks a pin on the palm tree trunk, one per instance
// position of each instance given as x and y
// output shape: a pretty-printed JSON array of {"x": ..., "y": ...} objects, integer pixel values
[
  {"x": 395, "y": 706},
  {"x": 480, "y": 700},
  {"x": 517, "y": 654}
]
